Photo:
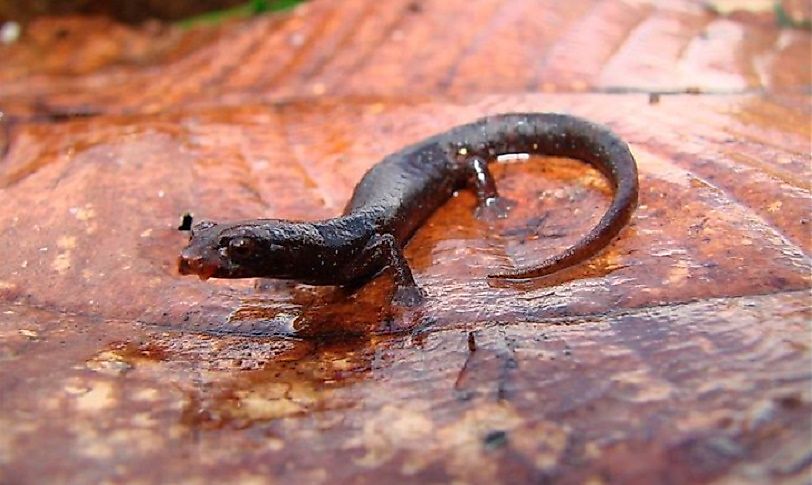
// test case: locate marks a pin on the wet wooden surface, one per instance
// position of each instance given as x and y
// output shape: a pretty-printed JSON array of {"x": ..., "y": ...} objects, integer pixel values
[{"x": 679, "y": 355}]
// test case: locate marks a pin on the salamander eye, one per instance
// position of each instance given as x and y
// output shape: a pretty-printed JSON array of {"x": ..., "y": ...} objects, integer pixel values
[{"x": 241, "y": 246}]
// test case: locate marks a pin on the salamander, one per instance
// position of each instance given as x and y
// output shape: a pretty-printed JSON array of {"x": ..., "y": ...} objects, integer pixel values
[{"x": 400, "y": 192}]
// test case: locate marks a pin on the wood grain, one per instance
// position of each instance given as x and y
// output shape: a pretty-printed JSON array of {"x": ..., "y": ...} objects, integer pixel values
[{"x": 679, "y": 355}]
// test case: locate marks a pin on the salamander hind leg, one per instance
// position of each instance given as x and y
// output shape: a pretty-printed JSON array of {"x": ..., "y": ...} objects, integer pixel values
[
  {"x": 382, "y": 251},
  {"x": 490, "y": 205}
]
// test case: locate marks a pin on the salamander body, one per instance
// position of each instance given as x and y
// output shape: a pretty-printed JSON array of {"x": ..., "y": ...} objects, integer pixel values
[{"x": 400, "y": 192}]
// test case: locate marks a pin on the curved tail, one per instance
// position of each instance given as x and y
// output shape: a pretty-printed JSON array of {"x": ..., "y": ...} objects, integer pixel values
[{"x": 609, "y": 154}]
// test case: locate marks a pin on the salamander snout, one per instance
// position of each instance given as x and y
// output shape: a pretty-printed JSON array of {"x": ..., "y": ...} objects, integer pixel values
[{"x": 193, "y": 262}]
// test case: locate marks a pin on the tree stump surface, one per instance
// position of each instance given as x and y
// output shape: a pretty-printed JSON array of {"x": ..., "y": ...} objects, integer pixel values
[{"x": 680, "y": 354}]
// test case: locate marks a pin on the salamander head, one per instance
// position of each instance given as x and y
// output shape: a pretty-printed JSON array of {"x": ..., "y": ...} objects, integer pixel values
[{"x": 234, "y": 250}]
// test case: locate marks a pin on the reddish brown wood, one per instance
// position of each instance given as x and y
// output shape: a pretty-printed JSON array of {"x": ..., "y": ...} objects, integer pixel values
[{"x": 681, "y": 354}]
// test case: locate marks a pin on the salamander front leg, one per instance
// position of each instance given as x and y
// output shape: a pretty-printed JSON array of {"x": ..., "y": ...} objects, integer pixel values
[
  {"x": 490, "y": 205},
  {"x": 383, "y": 251}
]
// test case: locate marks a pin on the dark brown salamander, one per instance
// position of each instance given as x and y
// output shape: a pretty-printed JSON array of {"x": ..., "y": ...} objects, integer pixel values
[{"x": 399, "y": 193}]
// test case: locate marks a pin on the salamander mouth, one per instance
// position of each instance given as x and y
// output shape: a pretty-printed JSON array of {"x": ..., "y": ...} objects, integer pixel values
[
  {"x": 197, "y": 265},
  {"x": 206, "y": 272}
]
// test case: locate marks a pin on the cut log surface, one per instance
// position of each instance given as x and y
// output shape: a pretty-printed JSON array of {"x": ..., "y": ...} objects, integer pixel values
[{"x": 680, "y": 354}]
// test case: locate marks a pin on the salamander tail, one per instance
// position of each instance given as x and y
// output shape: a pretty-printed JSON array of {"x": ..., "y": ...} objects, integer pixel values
[{"x": 600, "y": 236}]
